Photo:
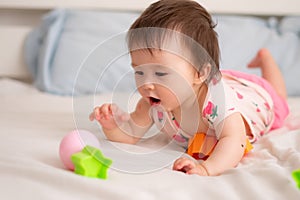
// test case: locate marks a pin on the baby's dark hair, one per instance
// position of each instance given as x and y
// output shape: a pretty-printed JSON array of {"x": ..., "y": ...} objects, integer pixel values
[{"x": 186, "y": 17}]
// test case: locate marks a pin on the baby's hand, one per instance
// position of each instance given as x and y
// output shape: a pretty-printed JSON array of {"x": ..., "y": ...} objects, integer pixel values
[
  {"x": 109, "y": 116},
  {"x": 189, "y": 166}
]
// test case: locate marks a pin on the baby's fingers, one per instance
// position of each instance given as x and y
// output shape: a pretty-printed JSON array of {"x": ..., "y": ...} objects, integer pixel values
[
  {"x": 95, "y": 114},
  {"x": 100, "y": 113},
  {"x": 105, "y": 111},
  {"x": 183, "y": 164},
  {"x": 199, "y": 169}
]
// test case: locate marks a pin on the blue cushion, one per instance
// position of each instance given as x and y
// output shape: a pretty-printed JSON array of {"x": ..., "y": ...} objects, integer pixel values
[
  {"x": 84, "y": 52},
  {"x": 61, "y": 52},
  {"x": 241, "y": 37}
]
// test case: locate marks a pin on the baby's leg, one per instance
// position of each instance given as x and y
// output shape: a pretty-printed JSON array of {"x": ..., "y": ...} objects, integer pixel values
[{"x": 270, "y": 71}]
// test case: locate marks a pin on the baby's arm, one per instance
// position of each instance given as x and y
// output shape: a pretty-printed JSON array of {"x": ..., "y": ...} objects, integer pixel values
[
  {"x": 230, "y": 147},
  {"x": 119, "y": 126},
  {"x": 227, "y": 153}
]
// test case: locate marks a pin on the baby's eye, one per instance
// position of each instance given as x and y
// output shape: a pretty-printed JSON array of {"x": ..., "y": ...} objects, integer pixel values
[
  {"x": 161, "y": 73},
  {"x": 139, "y": 72}
]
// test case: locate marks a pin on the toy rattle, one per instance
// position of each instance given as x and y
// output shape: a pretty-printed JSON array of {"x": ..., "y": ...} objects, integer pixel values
[
  {"x": 79, "y": 152},
  {"x": 201, "y": 146},
  {"x": 296, "y": 177}
]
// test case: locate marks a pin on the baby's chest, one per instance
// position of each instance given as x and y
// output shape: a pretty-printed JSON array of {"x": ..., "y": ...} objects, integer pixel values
[{"x": 168, "y": 124}]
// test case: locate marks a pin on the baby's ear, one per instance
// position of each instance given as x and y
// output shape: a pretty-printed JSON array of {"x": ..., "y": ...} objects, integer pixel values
[{"x": 201, "y": 76}]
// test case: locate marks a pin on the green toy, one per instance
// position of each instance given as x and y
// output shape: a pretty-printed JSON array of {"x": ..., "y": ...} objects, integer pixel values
[
  {"x": 296, "y": 176},
  {"x": 90, "y": 162}
]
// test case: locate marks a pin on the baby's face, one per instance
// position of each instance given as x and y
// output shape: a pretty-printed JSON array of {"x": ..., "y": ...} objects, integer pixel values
[{"x": 163, "y": 78}]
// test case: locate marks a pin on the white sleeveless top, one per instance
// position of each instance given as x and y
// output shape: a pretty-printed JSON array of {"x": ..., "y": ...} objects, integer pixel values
[{"x": 228, "y": 96}]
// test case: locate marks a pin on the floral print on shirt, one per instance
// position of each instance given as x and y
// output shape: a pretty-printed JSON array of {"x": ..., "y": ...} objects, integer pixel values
[{"x": 210, "y": 112}]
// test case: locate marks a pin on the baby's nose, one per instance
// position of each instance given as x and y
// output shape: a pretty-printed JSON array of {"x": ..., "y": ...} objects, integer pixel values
[{"x": 148, "y": 86}]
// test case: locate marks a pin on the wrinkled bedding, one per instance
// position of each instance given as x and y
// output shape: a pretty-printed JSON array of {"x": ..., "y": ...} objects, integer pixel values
[{"x": 33, "y": 124}]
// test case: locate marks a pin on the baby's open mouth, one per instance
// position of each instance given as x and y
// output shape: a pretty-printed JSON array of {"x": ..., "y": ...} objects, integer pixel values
[{"x": 154, "y": 101}]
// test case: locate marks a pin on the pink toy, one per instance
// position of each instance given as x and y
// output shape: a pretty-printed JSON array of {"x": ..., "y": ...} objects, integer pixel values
[{"x": 74, "y": 142}]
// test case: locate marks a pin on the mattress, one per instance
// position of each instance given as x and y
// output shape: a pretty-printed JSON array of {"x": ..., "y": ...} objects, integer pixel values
[{"x": 33, "y": 124}]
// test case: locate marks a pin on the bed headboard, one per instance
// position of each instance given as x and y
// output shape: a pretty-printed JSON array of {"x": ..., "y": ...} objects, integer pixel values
[{"x": 18, "y": 17}]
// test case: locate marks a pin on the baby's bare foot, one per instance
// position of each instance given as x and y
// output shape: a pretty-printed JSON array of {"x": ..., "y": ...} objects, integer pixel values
[
  {"x": 262, "y": 59},
  {"x": 269, "y": 70}
]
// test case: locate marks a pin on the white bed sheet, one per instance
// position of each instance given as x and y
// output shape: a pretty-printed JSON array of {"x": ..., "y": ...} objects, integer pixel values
[{"x": 33, "y": 124}]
